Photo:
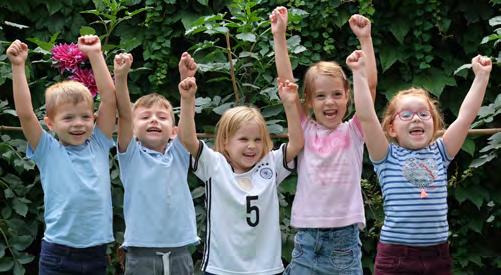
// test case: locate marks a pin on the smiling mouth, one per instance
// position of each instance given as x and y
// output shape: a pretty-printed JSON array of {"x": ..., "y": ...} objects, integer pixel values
[
  {"x": 79, "y": 133},
  {"x": 330, "y": 114},
  {"x": 416, "y": 132},
  {"x": 153, "y": 130}
]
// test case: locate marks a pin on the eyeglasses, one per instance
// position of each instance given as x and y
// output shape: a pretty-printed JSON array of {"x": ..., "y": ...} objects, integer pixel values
[{"x": 406, "y": 115}]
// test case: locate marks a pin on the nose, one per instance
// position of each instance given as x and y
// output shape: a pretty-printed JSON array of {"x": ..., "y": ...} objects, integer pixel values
[
  {"x": 329, "y": 100},
  {"x": 415, "y": 117},
  {"x": 251, "y": 144}
]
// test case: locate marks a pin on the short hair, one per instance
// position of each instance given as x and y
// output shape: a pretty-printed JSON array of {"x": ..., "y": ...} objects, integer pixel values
[
  {"x": 392, "y": 108},
  {"x": 232, "y": 120},
  {"x": 328, "y": 68},
  {"x": 152, "y": 99},
  {"x": 67, "y": 91}
]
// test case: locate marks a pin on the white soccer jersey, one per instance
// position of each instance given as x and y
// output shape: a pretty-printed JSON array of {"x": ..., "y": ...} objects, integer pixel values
[{"x": 243, "y": 228}]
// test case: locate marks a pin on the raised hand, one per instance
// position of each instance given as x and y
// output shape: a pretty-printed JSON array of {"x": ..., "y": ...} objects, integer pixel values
[
  {"x": 288, "y": 91},
  {"x": 187, "y": 87},
  {"x": 481, "y": 64},
  {"x": 122, "y": 64},
  {"x": 278, "y": 19},
  {"x": 89, "y": 44},
  {"x": 360, "y": 25},
  {"x": 187, "y": 66},
  {"x": 17, "y": 52},
  {"x": 356, "y": 61}
]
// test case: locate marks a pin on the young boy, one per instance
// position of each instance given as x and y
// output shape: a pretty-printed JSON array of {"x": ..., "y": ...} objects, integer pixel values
[
  {"x": 74, "y": 169},
  {"x": 158, "y": 207}
]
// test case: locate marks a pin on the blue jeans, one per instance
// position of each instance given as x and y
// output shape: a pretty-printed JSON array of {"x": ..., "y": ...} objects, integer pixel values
[
  {"x": 327, "y": 251},
  {"x": 154, "y": 261},
  {"x": 56, "y": 259}
]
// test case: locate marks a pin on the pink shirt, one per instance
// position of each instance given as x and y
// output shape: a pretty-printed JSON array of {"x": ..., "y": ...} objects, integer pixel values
[{"x": 328, "y": 191}]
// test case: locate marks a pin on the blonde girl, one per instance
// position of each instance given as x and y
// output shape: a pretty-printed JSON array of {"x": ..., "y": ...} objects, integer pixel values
[
  {"x": 241, "y": 177},
  {"x": 411, "y": 164},
  {"x": 328, "y": 210}
]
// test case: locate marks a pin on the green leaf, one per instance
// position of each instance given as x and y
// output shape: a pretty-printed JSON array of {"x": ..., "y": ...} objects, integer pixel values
[
  {"x": 20, "y": 243},
  {"x": 19, "y": 269},
  {"x": 388, "y": 57},
  {"x": 203, "y": 2},
  {"x": 6, "y": 264},
  {"x": 86, "y": 30},
  {"x": 399, "y": 29},
  {"x": 20, "y": 207},
  {"x": 464, "y": 66},
  {"x": 469, "y": 146},
  {"x": 272, "y": 110},
  {"x": 8, "y": 193},
  {"x": 198, "y": 192},
  {"x": 2, "y": 250},
  {"x": 246, "y": 37}
]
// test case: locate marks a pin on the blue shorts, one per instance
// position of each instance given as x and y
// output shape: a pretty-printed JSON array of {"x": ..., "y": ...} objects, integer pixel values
[
  {"x": 326, "y": 251},
  {"x": 57, "y": 259}
]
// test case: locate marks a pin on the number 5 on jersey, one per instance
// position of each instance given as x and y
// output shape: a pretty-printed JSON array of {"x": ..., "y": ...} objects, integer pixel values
[{"x": 252, "y": 210}]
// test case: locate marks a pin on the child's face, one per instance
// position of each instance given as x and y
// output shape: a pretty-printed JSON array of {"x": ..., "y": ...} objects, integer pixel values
[
  {"x": 245, "y": 147},
  {"x": 153, "y": 126},
  {"x": 416, "y": 132},
  {"x": 72, "y": 123},
  {"x": 328, "y": 101}
]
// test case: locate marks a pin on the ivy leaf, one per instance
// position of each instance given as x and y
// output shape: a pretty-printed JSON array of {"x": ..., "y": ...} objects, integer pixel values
[
  {"x": 8, "y": 193},
  {"x": 203, "y": 2},
  {"x": 482, "y": 160},
  {"x": 272, "y": 110},
  {"x": 399, "y": 29},
  {"x": 464, "y": 66},
  {"x": 388, "y": 57},
  {"x": 434, "y": 81},
  {"x": 275, "y": 128}
]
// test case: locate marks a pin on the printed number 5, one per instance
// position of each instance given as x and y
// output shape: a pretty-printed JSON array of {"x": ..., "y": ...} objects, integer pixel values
[{"x": 251, "y": 208}]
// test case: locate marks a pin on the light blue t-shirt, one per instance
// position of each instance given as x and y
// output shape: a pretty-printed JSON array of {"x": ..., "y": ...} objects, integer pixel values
[
  {"x": 158, "y": 206},
  {"x": 76, "y": 185},
  {"x": 414, "y": 187}
]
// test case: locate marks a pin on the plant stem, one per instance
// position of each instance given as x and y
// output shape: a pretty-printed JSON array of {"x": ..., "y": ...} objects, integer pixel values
[{"x": 232, "y": 69}]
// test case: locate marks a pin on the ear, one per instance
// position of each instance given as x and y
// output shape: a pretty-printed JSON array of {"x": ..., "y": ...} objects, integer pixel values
[
  {"x": 48, "y": 122},
  {"x": 391, "y": 131},
  {"x": 173, "y": 133}
]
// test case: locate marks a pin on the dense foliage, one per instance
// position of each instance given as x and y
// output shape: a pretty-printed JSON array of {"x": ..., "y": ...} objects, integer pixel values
[{"x": 417, "y": 43}]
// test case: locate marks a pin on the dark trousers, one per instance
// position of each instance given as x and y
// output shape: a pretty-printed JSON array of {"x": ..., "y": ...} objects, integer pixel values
[
  {"x": 56, "y": 259},
  {"x": 392, "y": 259}
]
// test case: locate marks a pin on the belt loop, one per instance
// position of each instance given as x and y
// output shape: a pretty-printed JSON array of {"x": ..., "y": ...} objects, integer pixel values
[{"x": 165, "y": 261}]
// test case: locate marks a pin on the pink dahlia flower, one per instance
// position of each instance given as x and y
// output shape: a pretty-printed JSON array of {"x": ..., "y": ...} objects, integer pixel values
[
  {"x": 67, "y": 57},
  {"x": 86, "y": 77}
]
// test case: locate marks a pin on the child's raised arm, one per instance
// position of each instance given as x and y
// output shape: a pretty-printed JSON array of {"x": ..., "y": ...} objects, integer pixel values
[
  {"x": 278, "y": 19},
  {"x": 91, "y": 46},
  {"x": 361, "y": 27},
  {"x": 17, "y": 54},
  {"x": 377, "y": 144},
  {"x": 455, "y": 135},
  {"x": 289, "y": 97},
  {"x": 122, "y": 64},
  {"x": 186, "y": 128},
  {"x": 187, "y": 66}
]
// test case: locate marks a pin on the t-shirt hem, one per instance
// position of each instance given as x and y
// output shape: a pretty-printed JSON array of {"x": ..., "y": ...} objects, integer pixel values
[
  {"x": 218, "y": 271},
  {"x": 158, "y": 245},
  {"x": 85, "y": 245},
  {"x": 327, "y": 223}
]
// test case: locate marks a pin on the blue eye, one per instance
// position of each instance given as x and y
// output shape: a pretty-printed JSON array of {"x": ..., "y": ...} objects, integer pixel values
[{"x": 406, "y": 115}]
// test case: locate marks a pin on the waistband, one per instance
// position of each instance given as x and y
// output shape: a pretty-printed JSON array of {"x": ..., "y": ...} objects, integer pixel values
[
  {"x": 384, "y": 249},
  {"x": 330, "y": 229},
  {"x": 66, "y": 250},
  {"x": 154, "y": 250}
]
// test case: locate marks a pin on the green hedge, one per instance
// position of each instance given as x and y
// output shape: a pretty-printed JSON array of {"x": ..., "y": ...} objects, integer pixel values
[{"x": 417, "y": 43}]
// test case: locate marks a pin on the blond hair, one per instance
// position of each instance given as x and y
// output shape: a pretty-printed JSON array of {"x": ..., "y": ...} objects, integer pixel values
[
  {"x": 232, "y": 120},
  {"x": 149, "y": 100},
  {"x": 68, "y": 91},
  {"x": 328, "y": 68},
  {"x": 392, "y": 109}
]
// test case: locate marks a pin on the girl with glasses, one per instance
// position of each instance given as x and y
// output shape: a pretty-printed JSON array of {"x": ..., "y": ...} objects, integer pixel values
[{"x": 411, "y": 163}]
